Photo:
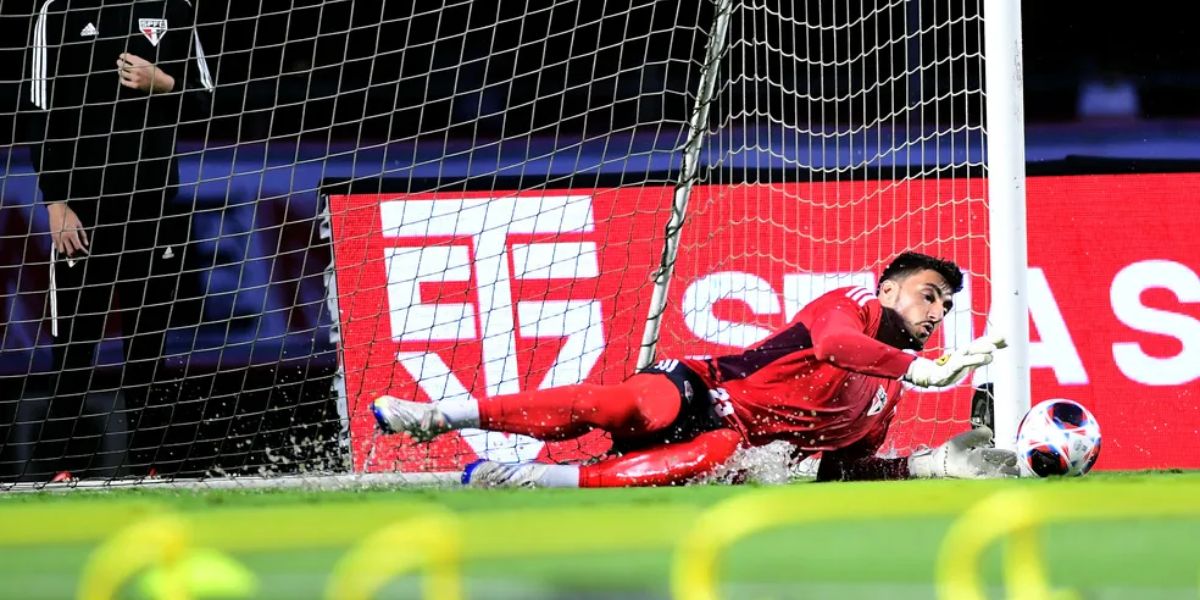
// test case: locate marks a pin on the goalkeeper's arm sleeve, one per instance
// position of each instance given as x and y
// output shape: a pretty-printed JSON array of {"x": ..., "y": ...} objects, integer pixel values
[
  {"x": 857, "y": 462},
  {"x": 838, "y": 338},
  {"x": 864, "y": 468}
]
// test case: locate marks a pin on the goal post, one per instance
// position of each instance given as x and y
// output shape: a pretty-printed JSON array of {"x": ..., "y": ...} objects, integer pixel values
[
  {"x": 688, "y": 176},
  {"x": 1009, "y": 314}
]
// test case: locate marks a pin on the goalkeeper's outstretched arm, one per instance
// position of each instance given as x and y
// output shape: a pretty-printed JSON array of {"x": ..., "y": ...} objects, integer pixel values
[{"x": 838, "y": 338}]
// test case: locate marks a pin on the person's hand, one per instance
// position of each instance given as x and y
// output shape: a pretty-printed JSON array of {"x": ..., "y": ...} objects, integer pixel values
[
  {"x": 968, "y": 455},
  {"x": 66, "y": 229},
  {"x": 140, "y": 74},
  {"x": 952, "y": 368}
]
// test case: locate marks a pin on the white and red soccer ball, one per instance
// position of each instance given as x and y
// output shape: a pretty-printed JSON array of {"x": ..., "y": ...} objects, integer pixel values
[{"x": 1057, "y": 437}]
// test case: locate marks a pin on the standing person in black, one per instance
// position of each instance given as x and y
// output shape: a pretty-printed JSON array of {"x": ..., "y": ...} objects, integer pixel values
[{"x": 111, "y": 80}]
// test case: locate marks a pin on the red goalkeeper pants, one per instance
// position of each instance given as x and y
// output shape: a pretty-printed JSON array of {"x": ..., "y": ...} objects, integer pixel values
[
  {"x": 648, "y": 414},
  {"x": 643, "y": 404}
]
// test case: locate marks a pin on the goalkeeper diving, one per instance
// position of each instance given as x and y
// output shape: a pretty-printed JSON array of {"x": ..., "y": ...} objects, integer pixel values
[{"x": 827, "y": 383}]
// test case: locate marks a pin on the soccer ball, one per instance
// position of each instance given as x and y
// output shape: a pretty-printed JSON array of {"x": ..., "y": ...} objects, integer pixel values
[{"x": 1057, "y": 437}]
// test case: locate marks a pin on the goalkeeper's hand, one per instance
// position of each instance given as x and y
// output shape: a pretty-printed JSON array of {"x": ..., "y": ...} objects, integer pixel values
[
  {"x": 953, "y": 367},
  {"x": 968, "y": 455}
]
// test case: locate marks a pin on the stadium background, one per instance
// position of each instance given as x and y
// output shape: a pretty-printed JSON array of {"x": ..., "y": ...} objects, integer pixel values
[{"x": 307, "y": 93}]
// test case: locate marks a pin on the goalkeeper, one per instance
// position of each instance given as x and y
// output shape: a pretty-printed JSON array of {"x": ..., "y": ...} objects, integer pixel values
[{"x": 828, "y": 383}]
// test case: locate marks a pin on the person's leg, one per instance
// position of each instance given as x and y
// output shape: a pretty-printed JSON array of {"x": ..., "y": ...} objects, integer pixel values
[
  {"x": 83, "y": 287},
  {"x": 151, "y": 264},
  {"x": 665, "y": 464},
  {"x": 644, "y": 403}
]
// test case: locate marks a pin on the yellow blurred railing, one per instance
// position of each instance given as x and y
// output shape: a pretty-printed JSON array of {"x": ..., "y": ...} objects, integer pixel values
[
  {"x": 695, "y": 570},
  {"x": 387, "y": 540},
  {"x": 1016, "y": 515},
  {"x": 180, "y": 554},
  {"x": 159, "y": 541},
  {"x": 430, "y": 542}
]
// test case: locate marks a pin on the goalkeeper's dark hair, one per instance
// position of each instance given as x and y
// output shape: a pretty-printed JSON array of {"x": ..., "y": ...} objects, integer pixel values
[{"x": 909, "y": 263}]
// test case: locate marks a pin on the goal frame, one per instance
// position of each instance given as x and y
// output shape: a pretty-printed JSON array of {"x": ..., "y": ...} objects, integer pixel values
[
  {"x": 1009, "y": 317},
  {"x": 1004, "y": 165}
]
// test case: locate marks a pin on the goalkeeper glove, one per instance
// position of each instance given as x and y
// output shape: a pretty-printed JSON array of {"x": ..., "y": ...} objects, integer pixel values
[
  {"x": 953, "y": 367},
  {"x": 967, "y": 455}
]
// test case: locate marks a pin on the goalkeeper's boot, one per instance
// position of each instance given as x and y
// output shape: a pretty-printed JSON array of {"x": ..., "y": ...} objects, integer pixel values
[
  {"x": 421, "y": 420},
  {"x": 487, "y": 473}
]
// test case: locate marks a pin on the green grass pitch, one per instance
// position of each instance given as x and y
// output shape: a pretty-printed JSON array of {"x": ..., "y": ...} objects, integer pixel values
[{"x": 534, "y": 544}]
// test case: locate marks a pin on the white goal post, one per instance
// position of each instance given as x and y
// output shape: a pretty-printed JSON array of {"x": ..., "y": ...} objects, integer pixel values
[{"x": 1009, "y": 313}]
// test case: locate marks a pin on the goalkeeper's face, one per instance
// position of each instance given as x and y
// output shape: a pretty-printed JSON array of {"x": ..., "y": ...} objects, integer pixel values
[{"x": 922, "y": 299}]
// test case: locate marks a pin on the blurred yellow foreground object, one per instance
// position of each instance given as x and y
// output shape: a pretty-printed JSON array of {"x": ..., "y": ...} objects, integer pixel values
[{"x": 206, "y": 573}]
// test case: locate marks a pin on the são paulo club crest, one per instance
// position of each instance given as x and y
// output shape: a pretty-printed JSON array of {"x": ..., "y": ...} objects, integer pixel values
[{"x": 153, "y": 29}]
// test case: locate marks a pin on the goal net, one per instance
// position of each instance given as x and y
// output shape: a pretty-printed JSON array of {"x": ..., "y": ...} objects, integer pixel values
[
  {"x": 457, "y": 199},
  {"x": 842, "y": 134}
]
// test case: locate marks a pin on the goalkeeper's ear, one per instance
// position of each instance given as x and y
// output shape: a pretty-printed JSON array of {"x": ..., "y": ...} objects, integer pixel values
[{"x": 888, "y": 290}]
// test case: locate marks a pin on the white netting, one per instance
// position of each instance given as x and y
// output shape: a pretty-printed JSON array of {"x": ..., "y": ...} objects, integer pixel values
[
  {"x": 844, "y": 133},
  {"x": 434, "y": 199}
]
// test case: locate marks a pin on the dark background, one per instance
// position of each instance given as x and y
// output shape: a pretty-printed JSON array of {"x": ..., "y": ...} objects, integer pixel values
[
  {"x": 367, "y": 70},
  {"x": 436, "y": 91}
]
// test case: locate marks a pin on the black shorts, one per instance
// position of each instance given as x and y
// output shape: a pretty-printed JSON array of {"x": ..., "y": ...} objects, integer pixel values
[{"x": 696, "y": 412}]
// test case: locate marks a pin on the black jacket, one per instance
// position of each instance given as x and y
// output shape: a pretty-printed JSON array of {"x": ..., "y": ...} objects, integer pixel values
[{"x": 99, "y": 138}]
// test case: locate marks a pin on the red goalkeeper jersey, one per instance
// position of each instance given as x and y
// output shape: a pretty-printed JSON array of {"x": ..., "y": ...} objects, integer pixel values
[{"x": 827, "y": 380}]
